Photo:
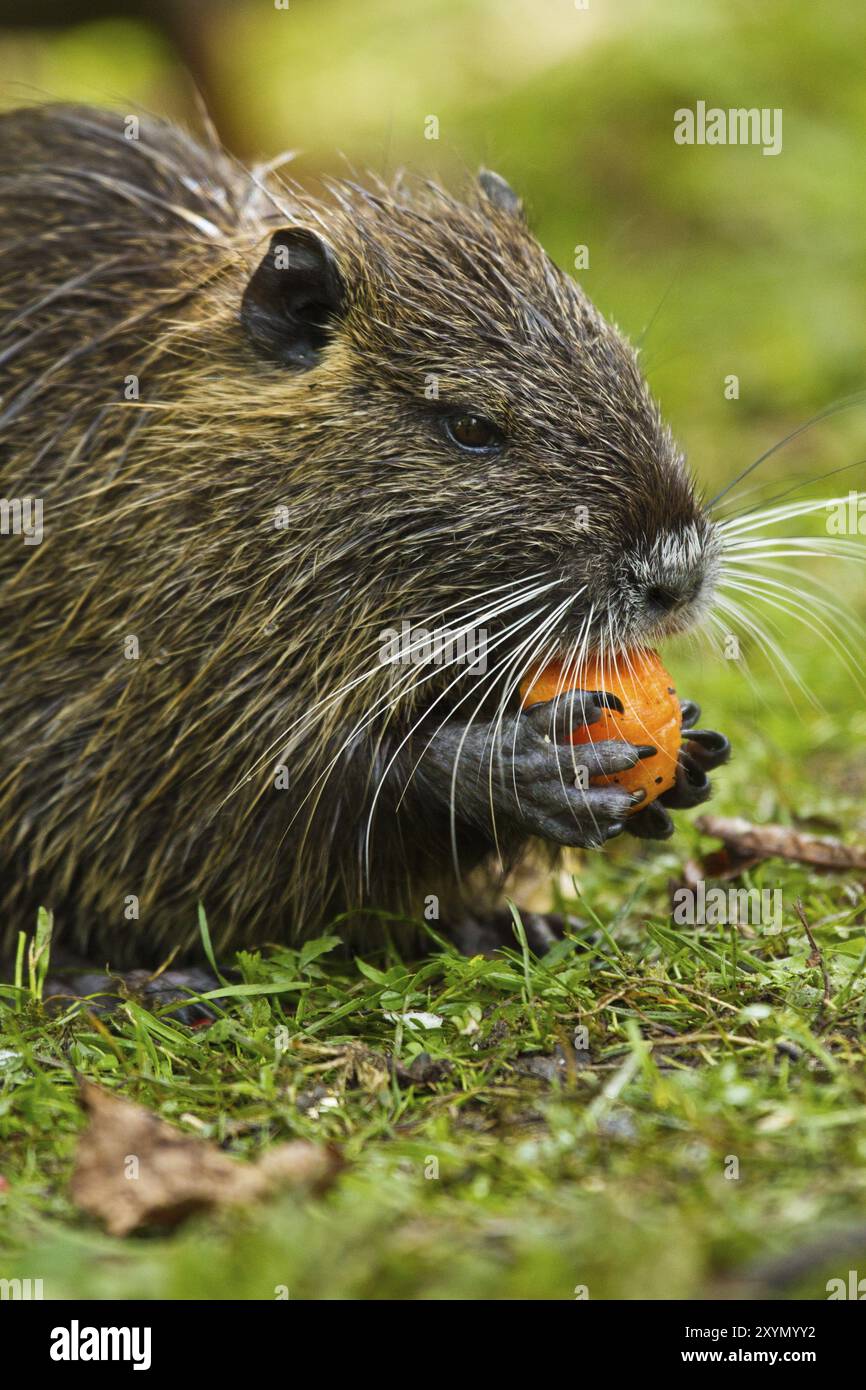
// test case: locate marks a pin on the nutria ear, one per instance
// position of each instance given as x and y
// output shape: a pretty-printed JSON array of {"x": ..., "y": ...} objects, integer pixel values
[
  {"x": 291, "y": 302},
  {"x": 499, "y": 193}
]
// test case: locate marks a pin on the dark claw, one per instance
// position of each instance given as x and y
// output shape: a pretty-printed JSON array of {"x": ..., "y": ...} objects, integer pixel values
[
  {"x": 707, "y": 748},
  {"x": 691, "y": 713},
  {"x": 652, "y": 824},
  {"x": 557, "y": 717},
  {"x": 691, "y": 787},
  {"x": 607, "y": 701},
  {"x": 695, "y": 775}
]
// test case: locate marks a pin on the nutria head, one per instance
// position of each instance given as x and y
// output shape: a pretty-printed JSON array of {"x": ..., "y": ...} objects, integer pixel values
[{"x": 498, "y": 424}]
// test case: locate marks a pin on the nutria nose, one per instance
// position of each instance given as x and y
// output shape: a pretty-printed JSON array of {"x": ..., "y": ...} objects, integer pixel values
[{"x": 665, "y": 598}]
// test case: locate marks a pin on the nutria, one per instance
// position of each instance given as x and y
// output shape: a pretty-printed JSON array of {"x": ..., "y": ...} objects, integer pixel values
[{"x": 269, "y": 430}]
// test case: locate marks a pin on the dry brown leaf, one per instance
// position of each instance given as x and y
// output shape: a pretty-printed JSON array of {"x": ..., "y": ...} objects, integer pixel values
[
  {"x": 748, "y": 841},
  {"x": 133, "y": 1169}
]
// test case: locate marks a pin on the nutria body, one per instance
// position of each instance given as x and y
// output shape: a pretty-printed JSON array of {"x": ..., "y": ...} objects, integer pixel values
[{"x": 266, "y": 429}]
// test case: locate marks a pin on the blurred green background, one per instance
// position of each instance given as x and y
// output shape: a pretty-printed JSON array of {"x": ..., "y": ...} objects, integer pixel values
[{"x": 729, "y": 261}]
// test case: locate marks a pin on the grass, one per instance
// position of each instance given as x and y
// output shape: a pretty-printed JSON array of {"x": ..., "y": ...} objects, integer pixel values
[{"x": 705, "y": 1138}]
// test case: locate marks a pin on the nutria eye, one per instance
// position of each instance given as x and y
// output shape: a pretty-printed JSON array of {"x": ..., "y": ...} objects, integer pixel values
[{"x": 472, "y": 432}]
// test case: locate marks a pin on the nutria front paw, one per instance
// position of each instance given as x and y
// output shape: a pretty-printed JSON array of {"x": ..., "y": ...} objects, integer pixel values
[
  {"x": 703, "y": 750},
  {"x": 104, "y": 993},
  {"x": 522, "y": 772},
  {"x": 550, "y": 776}
]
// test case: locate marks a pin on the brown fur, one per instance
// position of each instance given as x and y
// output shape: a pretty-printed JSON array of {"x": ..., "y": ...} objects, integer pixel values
[{"x": 130, "y": 776}]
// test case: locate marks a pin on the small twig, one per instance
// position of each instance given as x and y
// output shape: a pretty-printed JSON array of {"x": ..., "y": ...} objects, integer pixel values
[
  {"x": 816, "y": 958},
  {"x": 757, "y": 842}
]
